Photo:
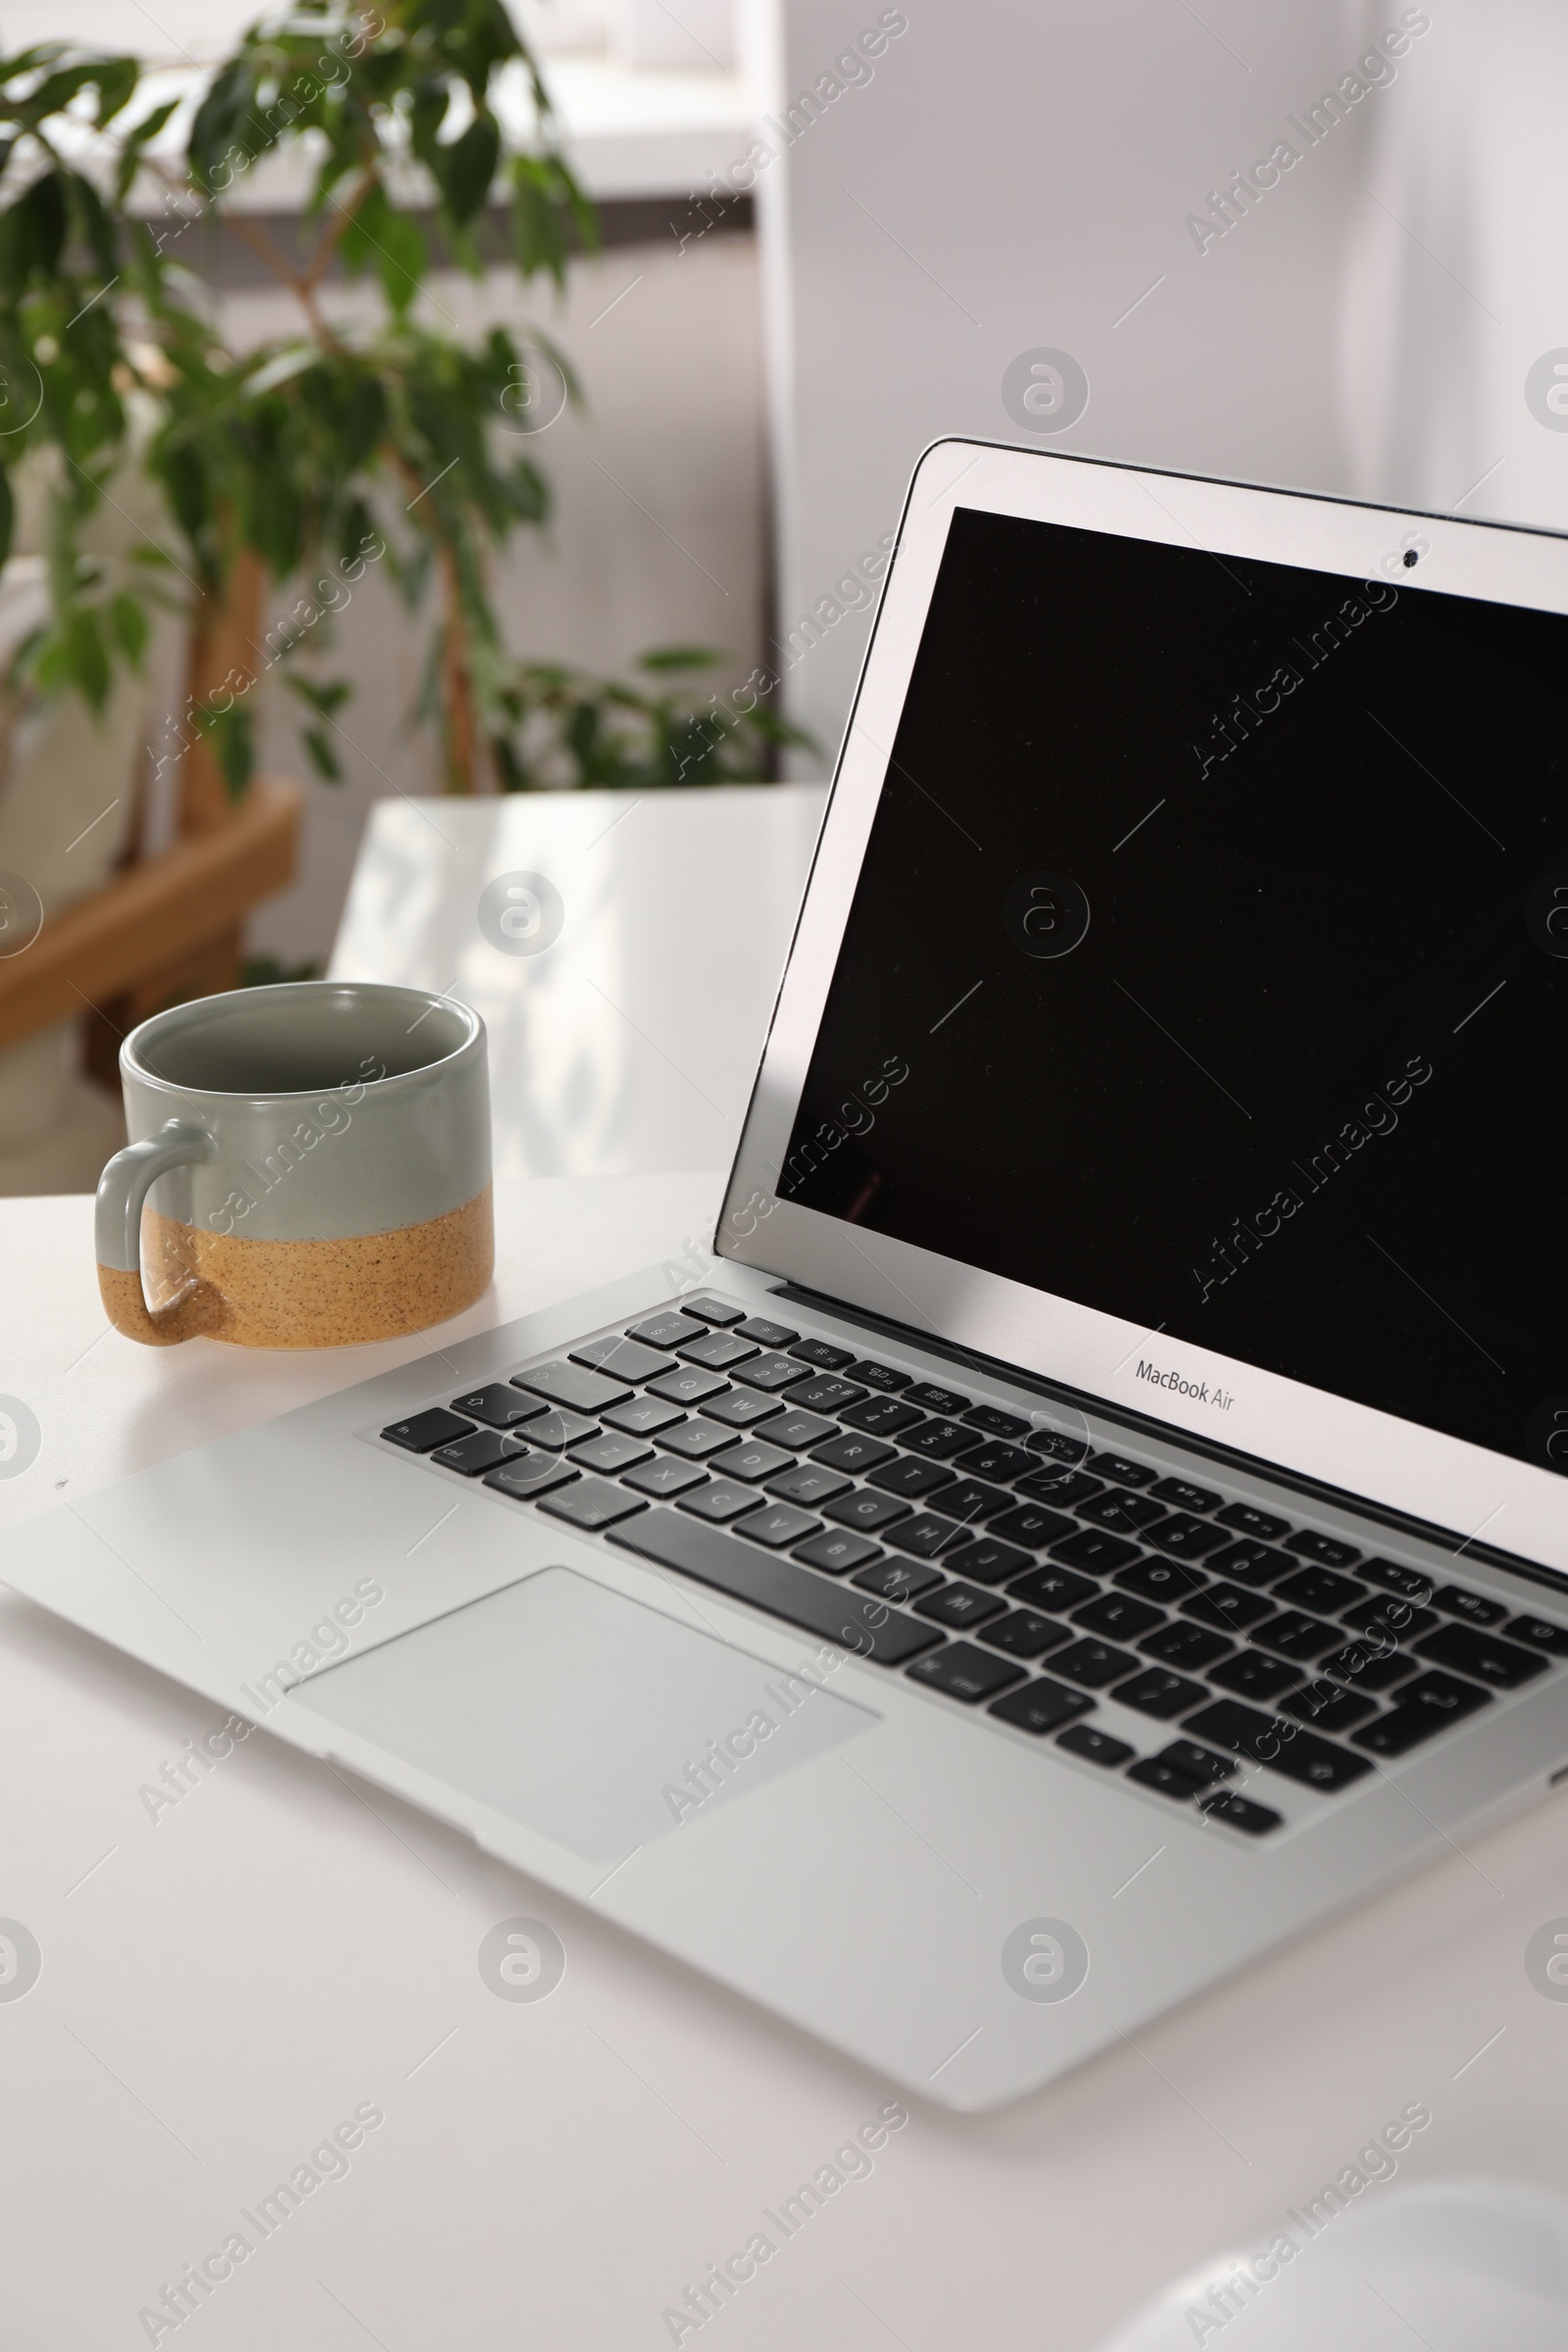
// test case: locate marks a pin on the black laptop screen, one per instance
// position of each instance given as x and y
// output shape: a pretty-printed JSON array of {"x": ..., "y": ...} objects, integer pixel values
[{"x": 1210, "y": 966}]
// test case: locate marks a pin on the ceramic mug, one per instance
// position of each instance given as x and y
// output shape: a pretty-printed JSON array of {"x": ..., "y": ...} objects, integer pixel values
[{"x": 309, "y": 1167}]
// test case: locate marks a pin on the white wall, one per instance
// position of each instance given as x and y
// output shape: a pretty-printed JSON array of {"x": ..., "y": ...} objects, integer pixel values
[{"x": 1019, "y": 172}]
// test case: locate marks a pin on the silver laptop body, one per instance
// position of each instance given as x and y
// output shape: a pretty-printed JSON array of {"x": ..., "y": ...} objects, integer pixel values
[{"x": 1101, "y": 1512}]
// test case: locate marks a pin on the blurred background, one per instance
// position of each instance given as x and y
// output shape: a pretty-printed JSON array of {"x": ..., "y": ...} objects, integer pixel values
[{"x": 825, "y": 235}]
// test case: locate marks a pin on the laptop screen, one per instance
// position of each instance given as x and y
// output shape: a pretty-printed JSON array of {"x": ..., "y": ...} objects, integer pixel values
[{"x": 1208, "y": 967}]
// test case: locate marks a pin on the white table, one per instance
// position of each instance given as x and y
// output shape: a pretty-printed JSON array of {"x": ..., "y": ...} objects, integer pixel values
[
  {"x": 224, "y": 1983},
  {"x": 632, "y": 1042}
]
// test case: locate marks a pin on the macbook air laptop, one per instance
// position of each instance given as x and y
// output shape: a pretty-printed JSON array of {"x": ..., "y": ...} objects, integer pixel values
[{"x": 1104, "y": 1513}]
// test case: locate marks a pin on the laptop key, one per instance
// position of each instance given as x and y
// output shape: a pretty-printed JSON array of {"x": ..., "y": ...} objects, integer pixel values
[
  {"x": 1368, "y": 1665},
  {"x": 611, "y": 1452},
  {"x": 717, "y": 1349},
  {"x": 572, "y": 1387},
  {"x": 863, "y": 1510},
  {"x": 1157, "y": 1691},
  {"x": 882, "y": 1416},
  {"x": 896, "y": 1579},
  {"x": 926, "y": 1534},
  {"x": 618, "y": 1358},
  {"x": 642, "y": 1416},
  {"x": 663, "y": 1479},
  {"x": 1484, "y": 1656},
  {"x": 557, "y": 1431},
  {"x": 996, "y": 1459},
  {"x": 1040, "y": 1706},
  {"x": 1324, "y": 1589},
  {"x": 770, "y": 1372},
  {"x": 796, "y": 1432},
  {"x": 780, "y": 1586},
  {"x": 666, "y": 1330},
  {"x": 591, "y": 1503},
  {"x": 1410, "y": 1583},
  {"x": 1183, "y": 1496},
  {"x": 752, "y": 1462},
  {"x": 877, "y": 1376},
  {"x": 1284, "y": 1748},
  {"x": 1327, "y": 1707},
  {"x": 984, "y": 1561},
  {"x": 1226, "y": 1606},
  {"x": 687, "y": 1384},
  {"x": 1423, "y": 1708},
  {"x": 809, "y": 1484},
  {"x": 823, "y": 1354},
  {"x": 933, "y": 1399},
  {"x": 1119, "y": 1616},
  {"x": 1249, "y": 1563},
  {"x": 1240, "y": 1813},
  {"x": 1455, "y": 1602},
  {"x": 1064, "y": 1490},
  {"x": 1192, "y": 1646},
  {"x": 1095, "y": 1747},
  {"x": 499, "y": 1405},
  {"x": 853, "y": 1452},
  {"x": 1058, "y": 1446},
  {"x": 1327, "y": 1550},
  {"x": 1024, "y": 1633},
  {"x": 778, "y": 1526},
  {"x": 767, "y": 1334},
  {"x": 720, "y": 1499},
  {"x": 695, "y": 1439},
  {"x": 1252, "y": 1675},
  {"x": 907, "y": 1476},
  {"x": 960, "y": 1606},
  {"x": 1032, "y": 1524},
  {"x": 1092, "y": 1548},
  {"x": 995, "y": 1422},
  {"x": 1052, "y": 1588},
  {"x": 1248, "y": 1520},
  {"x": 1168, "y": 1581},
  {"x": 1199, "y": 1764},
  {"x": 1295, "y": 1635},
  {"x": 482, "y": 1448},
  {"x": 965, "y": 1672},
  {"x": 1185, "y": 1538},
  {"x": 713, "y": 1310},
  {"x": 1119, "y": 1470},
  {"x": 1538, "y": 1633},
  {"x": 739, "y": 1408},
  {"x": 973, "y": 1501},
  {"x": 1121, "y": 1511},
  {"x": 1154, "y": 1772},
  {"x": 836, "y": 1550},
  {"x": 827, "y": 1396},
  {"x": 527, "y": 1476},
  {"x": 1093, "y": 1663},
  {"x": 940, "y": 1439},
  {"x": 422, "y": 1433},
  {"x": 1399, "y": 1620}
]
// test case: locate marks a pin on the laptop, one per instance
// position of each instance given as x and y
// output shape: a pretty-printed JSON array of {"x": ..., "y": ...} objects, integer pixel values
[{"x": 1103, "y": 1512}]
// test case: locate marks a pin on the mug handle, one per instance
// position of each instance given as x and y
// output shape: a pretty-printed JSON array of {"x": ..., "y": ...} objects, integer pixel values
[{"x": 122, "y": 1189}]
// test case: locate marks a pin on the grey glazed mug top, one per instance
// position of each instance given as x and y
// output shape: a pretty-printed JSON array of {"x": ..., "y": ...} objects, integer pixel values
[{"x": 336, "y": 1107}]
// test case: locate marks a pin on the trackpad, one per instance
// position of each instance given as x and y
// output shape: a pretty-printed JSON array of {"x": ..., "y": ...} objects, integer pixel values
[{"x": 595, "y": 1721}]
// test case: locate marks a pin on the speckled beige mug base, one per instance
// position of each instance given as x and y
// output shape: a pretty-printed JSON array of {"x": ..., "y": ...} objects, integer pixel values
[{"x": 336, "y": 1293}]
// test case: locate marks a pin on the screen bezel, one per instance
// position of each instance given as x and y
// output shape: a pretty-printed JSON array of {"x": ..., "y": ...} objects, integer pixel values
[{"x": 1495, "y": 1498}]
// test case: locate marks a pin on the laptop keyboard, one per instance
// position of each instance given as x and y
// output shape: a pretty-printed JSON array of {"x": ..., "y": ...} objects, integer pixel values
[{"x": 1011, "y": 1570}]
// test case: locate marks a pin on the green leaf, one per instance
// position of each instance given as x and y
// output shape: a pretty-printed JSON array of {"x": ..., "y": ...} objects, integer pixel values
[
  {"x": 323, "y": 758},
  {"x": 677, "y": 656},
  {"x": 7, "y": 513},
  {"x": 465, "y": 169},
  {"x": 130, "y": 626}
]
